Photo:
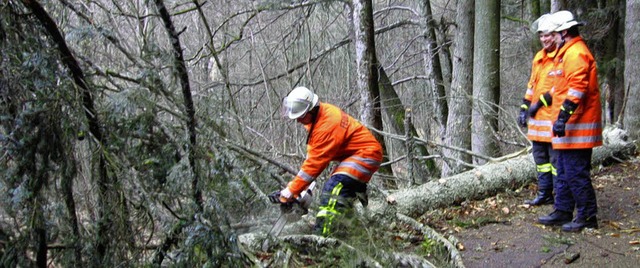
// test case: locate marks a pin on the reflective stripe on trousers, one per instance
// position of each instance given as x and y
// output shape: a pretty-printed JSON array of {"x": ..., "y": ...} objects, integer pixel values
[
  {"x": 338, "y": 196},
  {"x": 545, "y": 158},
  {"x": 329, "y": 211}
]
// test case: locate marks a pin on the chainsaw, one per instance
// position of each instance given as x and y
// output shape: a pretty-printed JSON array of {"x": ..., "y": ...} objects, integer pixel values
[{"x": 289, "y": 211}]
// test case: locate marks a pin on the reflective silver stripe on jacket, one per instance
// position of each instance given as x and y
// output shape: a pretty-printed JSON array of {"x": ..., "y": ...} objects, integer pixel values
[
  {"x": 580, "y": 139},
  {"x": 306, "y": 177},
  {"x": 576, "y": 93},
  {"x": 540, "y": 123},
  {"x": 583, "y": 126},
  {"x": 367, "y": 161},
  {"x": 539, "y": 133},
  {"x": 355, "y": 166}
]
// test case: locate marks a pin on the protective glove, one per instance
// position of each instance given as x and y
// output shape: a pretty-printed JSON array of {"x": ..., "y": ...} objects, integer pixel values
[
  {"x": 566, "y": 111},
  {"x": 545, "y": 100},
  {"x": 560, "y": 125},
  {"x": 286, "y": 196},
  {"x": 274, "y": 197},
  {"x": 522, "y": 116}
]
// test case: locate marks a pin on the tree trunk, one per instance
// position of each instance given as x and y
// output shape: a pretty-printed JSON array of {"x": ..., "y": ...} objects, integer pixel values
[
  {"x": 557, "y": 5},
  {"x": 632, "y": 70},
  {"x": 368, "y": 70},
  {"x": 458, "y": 133},
  {"x": 183, "y": 77},
  {"x": 433, "y": 68},
  {"x": 487, "y": 180},
  {"x": 613, "y": 45},
  {"x": 486, "y": 78},
  {"x": 395, "y": 114}
]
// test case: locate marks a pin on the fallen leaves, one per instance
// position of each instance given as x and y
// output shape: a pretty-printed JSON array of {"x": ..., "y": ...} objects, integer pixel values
[
  {"x": 571, "y": 257},
  {"x": 505, "y": 210},
  {"x": 391, "y": 200}
]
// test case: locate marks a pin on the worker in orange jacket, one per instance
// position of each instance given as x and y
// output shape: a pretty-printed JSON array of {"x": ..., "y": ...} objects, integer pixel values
[
  {"x": 577, "y": 129},
  {"x": 333, "y": 135},
  {"x": 536, "y": 105}
]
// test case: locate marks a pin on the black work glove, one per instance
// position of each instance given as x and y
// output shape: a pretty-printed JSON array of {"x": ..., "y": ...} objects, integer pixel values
[
  {"x": 566, "y": 111},
  {"x": 274, "y": 197},
  {"x": 545, "y": 100},
  {"x": 522, "y": 116},
  {"x": 560, "y": 125}
]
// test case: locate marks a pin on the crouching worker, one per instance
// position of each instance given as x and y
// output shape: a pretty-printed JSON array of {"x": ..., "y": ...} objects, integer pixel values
[{"x": 332, "y": 135}]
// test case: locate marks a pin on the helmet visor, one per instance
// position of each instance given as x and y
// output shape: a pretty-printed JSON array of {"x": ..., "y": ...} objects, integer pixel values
[{"x": 294, "y": 107}]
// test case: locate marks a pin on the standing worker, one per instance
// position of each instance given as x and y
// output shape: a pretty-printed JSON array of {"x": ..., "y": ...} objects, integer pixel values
[
  {"x": 537, "y": 106},
  {"x": 577, "y": 129},
  {"x": 333, "y": 135}
]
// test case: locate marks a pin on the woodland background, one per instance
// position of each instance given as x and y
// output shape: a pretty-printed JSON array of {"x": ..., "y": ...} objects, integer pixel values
[{"x": 147, "y": 132}]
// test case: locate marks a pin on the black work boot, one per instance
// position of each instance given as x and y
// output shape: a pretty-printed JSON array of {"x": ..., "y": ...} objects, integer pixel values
[
  {"x": 578, "y": 224},
  {"x": 543, "y": 198},
  {"x": 557, "y": 217}
]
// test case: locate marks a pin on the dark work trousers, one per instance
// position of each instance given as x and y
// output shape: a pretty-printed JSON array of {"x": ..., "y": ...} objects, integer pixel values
[
  {"x": 545, "y": 158},
  {"x": 337, "y": 198},
  {"x": 573, "y": 185}
]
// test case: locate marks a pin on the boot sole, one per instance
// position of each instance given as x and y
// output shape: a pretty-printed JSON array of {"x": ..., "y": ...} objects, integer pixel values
[
  {"x": 576, "y": 230},
  {"x": 538, "y": 204},
  {"x": 554, "y": 223}
]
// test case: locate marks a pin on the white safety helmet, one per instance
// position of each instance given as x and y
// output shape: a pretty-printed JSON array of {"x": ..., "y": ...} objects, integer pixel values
[
  {"x": 545, "y": 24},
  {"x": 299, "y": 101},
  {"x": 564, "y": 20}
]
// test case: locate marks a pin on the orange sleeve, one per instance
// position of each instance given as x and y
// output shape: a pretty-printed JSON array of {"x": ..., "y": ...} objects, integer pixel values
[
  {"x": 534, "y": 77},
  {"x": 577, "y": 75}
]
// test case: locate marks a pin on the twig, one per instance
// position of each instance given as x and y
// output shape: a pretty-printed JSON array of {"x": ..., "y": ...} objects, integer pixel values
[
  {"x": 240, "y": 149},
  {"x": 456, "y": 258},
  {"x": 624, "y": 105}
]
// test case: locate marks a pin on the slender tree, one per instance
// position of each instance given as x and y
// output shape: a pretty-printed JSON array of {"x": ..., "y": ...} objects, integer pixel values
[
  {"x": 632, "y": 69},
  {"x": 486, "y": 78},
  {"x": 367, "y": 70},
  {"x": 433, "y": 68},
  {"x": 458, "y": 133}
]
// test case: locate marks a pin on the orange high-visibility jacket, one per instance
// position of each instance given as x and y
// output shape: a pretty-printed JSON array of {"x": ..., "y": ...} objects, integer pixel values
[
  {"x": 336, "y": 136},
  {"x": 540, "y": 125},
  {"x": 576, "y": 80}
]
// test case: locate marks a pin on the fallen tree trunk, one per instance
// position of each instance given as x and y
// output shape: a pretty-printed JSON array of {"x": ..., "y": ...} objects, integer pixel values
[{"x": 486, "y": 180}]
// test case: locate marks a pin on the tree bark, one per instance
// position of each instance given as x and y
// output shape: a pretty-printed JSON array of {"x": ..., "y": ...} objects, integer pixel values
[
  {"x": 486, "y": 78},
  {"x": 610, "y": 65},
  {"x": 458, "y": 133},
  {"x": 433, "y": 68},
  {"x": 557, "y": 5},
  {"x": 368, "y": 70},
  {"x": 487, "y": 180},
  {"x": 632, "y": 70}
]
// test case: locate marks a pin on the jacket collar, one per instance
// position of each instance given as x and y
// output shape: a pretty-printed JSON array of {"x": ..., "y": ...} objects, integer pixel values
[{"x": 569, "y": 44}]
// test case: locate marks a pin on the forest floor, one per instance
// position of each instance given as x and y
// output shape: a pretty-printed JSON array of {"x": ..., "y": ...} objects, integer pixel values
[{"x": 502, "y": 232}]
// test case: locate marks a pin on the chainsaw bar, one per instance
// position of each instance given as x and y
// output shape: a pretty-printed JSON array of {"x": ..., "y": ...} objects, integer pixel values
[
  {"x": 289, "y": 212},
  {"x": 287, "y": 215}
]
